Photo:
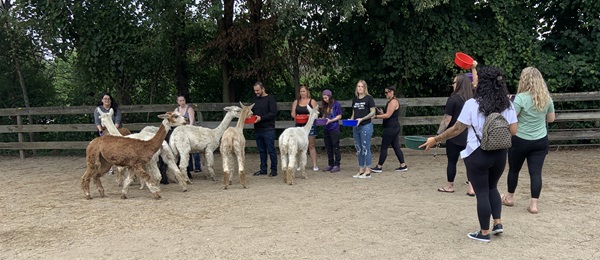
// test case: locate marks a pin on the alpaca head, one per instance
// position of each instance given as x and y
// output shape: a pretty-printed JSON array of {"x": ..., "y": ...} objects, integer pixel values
[
  {"x": 246, "y": 111},
  {"x": 233, "y": 111},
  {"x": 313, "y": 113},
  {"x": 172, "y": 119},
  {"x": 104, "y": 117}
]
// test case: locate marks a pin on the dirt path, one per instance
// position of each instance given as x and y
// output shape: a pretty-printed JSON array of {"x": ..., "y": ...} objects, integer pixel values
[{"x": 43, "y": 215}]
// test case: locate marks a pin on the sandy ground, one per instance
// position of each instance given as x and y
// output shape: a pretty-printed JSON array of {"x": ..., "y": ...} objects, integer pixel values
[{"x": 44, "y": 215}]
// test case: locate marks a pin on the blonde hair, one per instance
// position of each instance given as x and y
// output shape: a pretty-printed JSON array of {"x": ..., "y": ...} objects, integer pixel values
[
  {"x": 532, "y": 81},
  {"x": 364, "y": 86}
]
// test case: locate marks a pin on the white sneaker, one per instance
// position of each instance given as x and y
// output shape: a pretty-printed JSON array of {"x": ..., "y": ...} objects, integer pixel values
[
  {"x": 357, "y": 175},
  {"x": 365, "y": 176},
  {"x": 315, "y": 168},
  {"x": 298, "y": 169}
]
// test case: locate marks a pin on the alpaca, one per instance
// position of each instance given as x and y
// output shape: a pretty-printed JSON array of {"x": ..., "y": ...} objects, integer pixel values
[
  {"x": 170, "y": 119},
  {"x": 233, "y": 144},
  {"x": 293, "y": 144},
  {"x": 108, "y": 150},
  {"x": 189, "y": 138}
]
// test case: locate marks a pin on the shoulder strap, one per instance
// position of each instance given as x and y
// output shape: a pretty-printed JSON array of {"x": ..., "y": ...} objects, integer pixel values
[{"x": 475, "y": 132}]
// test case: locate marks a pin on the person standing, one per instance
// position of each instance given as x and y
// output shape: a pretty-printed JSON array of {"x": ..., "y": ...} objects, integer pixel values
[
  {"x": 534, "y": 108},
  {"x": 265, "y": 110},
  {"x": 391, "y": 130},
  {"x": 363, "y": 109},
  {"x": 299, "y": 107},
  {"x": 332, "y": 110},
  {"x": 484, "y": 168},
  {"x": 187, "y": 111},
  {"x": 106, "y": 103},
  {"x": 462, "y": 90}
]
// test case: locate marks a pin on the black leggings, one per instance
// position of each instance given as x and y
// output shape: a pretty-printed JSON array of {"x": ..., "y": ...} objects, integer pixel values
[
  {"x": 452, "y": 152},
  {"x": 484, "y": 169},
  {"x": 535, "y": 152},
  {"x": 332, "y": 143},
  {"x": 390, "y": 137}
]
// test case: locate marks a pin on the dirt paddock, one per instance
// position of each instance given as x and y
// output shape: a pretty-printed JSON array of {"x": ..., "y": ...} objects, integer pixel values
[{"x": 44, "y": 214}]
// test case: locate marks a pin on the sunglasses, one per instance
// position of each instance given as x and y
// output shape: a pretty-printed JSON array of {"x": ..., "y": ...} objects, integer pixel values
[{"x": 387, "y": 92}]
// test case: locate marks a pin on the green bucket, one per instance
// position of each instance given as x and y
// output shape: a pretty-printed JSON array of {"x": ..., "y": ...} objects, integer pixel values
[{"x": 413, "y": 142}]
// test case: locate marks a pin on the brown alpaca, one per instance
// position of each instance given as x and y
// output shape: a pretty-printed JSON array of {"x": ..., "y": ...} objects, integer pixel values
[
  {"x": 107, "y": 150},
  {"x": 233, "y": 144}
]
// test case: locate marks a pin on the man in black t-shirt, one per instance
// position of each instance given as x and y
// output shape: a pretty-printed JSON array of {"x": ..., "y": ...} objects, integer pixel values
[{"x": 265, "y": 109}]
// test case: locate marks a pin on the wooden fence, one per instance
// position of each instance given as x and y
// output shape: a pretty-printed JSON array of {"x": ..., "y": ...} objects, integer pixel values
[{"x": 562, "y": 132}]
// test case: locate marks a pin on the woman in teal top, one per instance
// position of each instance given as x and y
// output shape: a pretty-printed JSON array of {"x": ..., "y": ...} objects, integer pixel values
[{"x": 534, "y": 109}]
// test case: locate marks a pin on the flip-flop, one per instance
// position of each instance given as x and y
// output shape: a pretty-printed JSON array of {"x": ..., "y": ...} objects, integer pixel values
[
  {"x": 443, "y": 189},
  {"x": 471, "y": 194},
  {"x": 504, "y": 202}
]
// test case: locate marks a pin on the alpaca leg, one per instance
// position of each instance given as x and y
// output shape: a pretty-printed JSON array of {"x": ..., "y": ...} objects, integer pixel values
[
  {"x": 241, "y": 160},
  {"x": 184, "y": 160},
  {"x": 98, "y": 184},
  {"x": 303, "y": 163},
  {"x": 169, "y": 160},
  {"x": 209, "y": 163},
  {"x": 119, "y": 175},
  {"x": 128, "y": 180},
  {"x": 226, "y": 170},
  {"x": 85, "y": 183},
  {"x": 291, "y": 168},
  {"x": 284, "y": 164},
  {"x": 152, "y": 183}
]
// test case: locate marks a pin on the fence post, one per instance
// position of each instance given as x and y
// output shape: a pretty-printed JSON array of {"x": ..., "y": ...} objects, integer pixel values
[{"x": 20, "y": 135}]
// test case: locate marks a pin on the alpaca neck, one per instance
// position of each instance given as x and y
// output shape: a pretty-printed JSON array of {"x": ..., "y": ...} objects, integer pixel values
[
  {"x": 311, "y": 121},
  {"x": 158, "y": 138},
  {"x": 224, "y": 124},
  {"x": 240, "y": 122},
  {"x": 110, "y": 126}
]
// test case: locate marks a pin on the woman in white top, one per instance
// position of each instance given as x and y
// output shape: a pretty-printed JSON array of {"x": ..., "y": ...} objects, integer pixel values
[{"x": 484, "y": 168}]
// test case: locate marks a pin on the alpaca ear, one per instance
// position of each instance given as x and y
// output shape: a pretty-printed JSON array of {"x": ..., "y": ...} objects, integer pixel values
[
  {"x": 241, "y": 104},
  {"x": 251, "y": 106},
  {"x": 111, "y": 112},
  {"x": 163, "y": 116}
]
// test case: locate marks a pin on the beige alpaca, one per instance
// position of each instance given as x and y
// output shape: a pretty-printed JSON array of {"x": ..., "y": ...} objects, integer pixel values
[
  {"x": 188, "y": 138},
  {"x": 170, "y": 119},
  {"x": 233, "y": 144},
  {"x": 105, "y": 151},
  {"x": 293, "y": 144}
]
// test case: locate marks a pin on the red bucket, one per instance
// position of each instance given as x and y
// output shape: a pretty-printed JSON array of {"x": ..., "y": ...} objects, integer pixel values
[
  {"x": 250, "y": 120},
  {"x": 463, "y": 60},
  {"x": 301, "y": 119}
]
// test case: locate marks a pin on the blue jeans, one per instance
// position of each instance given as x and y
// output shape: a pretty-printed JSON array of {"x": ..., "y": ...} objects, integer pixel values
[
  {"x": 196, "y": 162},
  {"x": 265, "y": 142},
  {"x": 362, "y": 141}
]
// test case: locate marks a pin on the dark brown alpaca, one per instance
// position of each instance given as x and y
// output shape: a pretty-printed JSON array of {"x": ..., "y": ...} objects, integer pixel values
[{"x": 107, "y": 150}]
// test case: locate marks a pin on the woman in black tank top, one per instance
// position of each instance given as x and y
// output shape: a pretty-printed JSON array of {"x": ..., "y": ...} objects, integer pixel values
[
  {"x": 299, "y": 107},
  {"x": 391, "y": 131}
]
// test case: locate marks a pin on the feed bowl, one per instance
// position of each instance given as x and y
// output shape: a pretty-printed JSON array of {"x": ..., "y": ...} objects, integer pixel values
[
  {"x": 413, "y": 142},
  {"x": 321, "y": 121},
  {"x": 350, "y": 122},
  {"x": 463, "y": 60},
  {"x": 250, "y": 120},
  {"x": 301, "y": 119}
]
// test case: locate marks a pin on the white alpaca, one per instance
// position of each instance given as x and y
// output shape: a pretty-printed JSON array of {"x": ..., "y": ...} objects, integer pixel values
[
  {"x": 233, "y": 144},
  {"x": 188, "y": 138},
  {"x": 293, "y": 144},
  {"x": 170, "y": 119}
]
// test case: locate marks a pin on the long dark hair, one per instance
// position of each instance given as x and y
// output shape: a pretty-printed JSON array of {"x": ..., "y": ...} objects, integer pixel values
[
  {"x": 113, "y": 104},
  {"x": 464, "y": 88},
  {"x": 491, "y": 92},
  {"x": 326, "y": 108}
]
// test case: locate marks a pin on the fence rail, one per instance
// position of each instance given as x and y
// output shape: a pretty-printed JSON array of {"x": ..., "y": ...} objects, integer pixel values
[{"x": 559, "y": 134}]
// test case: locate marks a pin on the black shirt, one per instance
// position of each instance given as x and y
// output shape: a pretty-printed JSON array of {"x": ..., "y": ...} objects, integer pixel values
[
  {"x": 266, "y": 108},
  {"x": 392, "y": 121},
  {"x": 362, "y": 107},
  {"x": 453, "y": 107}
]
